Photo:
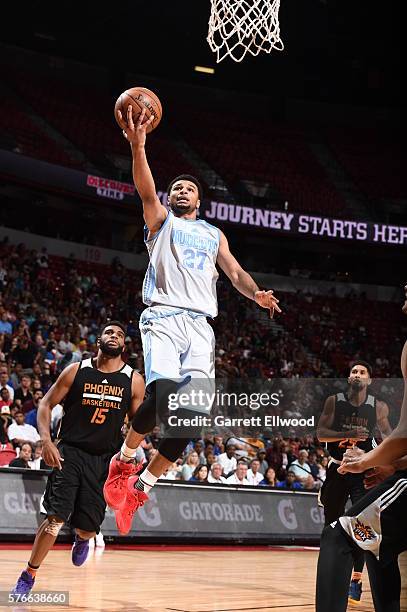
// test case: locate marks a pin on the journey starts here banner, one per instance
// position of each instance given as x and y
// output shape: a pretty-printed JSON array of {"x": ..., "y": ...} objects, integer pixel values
[
  {"x": 75, "y": 182},
  {"x": 303, "y": 224}
]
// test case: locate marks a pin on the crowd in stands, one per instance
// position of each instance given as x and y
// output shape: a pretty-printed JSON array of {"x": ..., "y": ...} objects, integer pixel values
[{"x": 51, "y": 309}]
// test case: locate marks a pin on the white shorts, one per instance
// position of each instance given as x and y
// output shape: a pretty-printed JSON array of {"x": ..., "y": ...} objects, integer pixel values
[{"x": 177, "y": 344}]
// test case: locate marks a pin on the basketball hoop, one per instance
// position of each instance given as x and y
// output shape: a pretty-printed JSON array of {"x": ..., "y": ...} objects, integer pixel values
[{"x": 240, "y": 26}]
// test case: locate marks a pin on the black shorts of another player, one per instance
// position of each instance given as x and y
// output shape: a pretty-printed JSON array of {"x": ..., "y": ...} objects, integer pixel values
[
  {"x": 337, "y": 490},
  {"x": 75, "y": 493}
]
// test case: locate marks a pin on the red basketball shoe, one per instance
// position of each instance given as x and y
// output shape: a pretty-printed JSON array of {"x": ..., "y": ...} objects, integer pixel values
[
  {"x": 115, "y": 488},
  {"x": 135, "y": 499}
]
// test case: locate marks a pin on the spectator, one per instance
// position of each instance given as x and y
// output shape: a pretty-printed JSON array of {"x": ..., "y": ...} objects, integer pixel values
[
  {"x": 65, "y": 345},
  {"x": 5, "y": 421},
  {"x": 323, "y": 466},
  {"x": 24, "y": 458},
  {"x": 23, "y": 392},
  {"x": 241, "y": 448},
  {"x": 200, "y": 449},
  {"x": 254, "y": 476},
  {"x": 239, "y": 477},
  {"x": 290, "y": 482},
  {"x": 210, "y": 460},
  {"x": 42, "y": 258},
  {"x": 261, "y": 456},
  {"x": 37, "y": 462},
  {"x": 301, "y": 468},
  {"x": 45, "y": 378},
  {"x": 3, "y": 278},
  {"x": 228, "y": 460},
  {"x": 25, "y": 353},
  {"x": 191, "y": 462},
  {"x": 215, "y": 475},
  {"x": 7, "y": 453},
  {"x": 270, "y": 479},
  {"x": 253, "y": 446},
  {"x": 19, "y": 432},
  {"x": 5, "y": 382},
  {"x": 36, "y": 385},
  {"x": 218, "y": 446},
  {"x": 5, "y": 399},
  {"x": 314, "y": 466},
  {"x": 274, "y": 455},
  {"x": 31, "y": 415},
  {"x": 15, "y": 374},
  {"x": 5, "y": 325},
  {"x": 200, "y": 474}
]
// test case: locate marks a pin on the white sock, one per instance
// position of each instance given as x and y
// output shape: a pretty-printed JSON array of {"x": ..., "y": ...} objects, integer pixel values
[
  {"x": 146, "y": 481},
  {"x": 127, "y": 453}
]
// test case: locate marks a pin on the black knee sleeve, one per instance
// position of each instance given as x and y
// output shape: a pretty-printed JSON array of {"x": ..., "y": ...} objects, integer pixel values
[
  {"x": 154, "y": 409},
  {"x": 172, "y": 448},
  {"x": 185, "y": 425}
]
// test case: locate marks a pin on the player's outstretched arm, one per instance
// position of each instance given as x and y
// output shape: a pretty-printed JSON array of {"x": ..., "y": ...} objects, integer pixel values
[
  {"x": 382, "y": 418},
  {"x": 154, "y": 212},
  {"x": 242, "y": 281},
  {"x": 54, "y": 396}
]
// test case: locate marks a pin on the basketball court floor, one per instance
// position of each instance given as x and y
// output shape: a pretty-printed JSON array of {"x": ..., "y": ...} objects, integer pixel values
[{"x": 177, "y": 579}]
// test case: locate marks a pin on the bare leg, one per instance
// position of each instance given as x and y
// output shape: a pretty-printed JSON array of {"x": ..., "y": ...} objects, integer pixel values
[
  {"x": 133, "y": 438},
  {"x": 85, "y": 535},
  {"x": 158, "y": 465},
  {"x": 44, "y": 540}
]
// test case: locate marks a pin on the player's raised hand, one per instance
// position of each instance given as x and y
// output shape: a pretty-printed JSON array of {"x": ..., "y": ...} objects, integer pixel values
[
  {"x": 135, "y": 133},
  {"x": 266, "y": 299},
  {"x": 51, "y": 455}
]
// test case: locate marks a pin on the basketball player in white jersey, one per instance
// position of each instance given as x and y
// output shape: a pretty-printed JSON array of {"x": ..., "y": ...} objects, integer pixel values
[{"x": 180, "y": 292}]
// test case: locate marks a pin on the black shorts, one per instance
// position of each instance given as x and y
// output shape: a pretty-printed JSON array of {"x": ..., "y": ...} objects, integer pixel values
[
  {"x": 377, "y": 523},
  {"x": 75, "y": 493},
  {"x": 336, "y": 491}
]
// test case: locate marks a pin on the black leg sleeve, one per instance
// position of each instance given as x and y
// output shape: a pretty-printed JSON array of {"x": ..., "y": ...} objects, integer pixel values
[
  {"x": 385, "y": 582},
  {"x": 334, "y": 570}
]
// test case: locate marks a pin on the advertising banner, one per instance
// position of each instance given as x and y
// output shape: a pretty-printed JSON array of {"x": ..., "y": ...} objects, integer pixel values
[
  {"x": 181, "y": 512},
  {"x": 280, "y": 222}
]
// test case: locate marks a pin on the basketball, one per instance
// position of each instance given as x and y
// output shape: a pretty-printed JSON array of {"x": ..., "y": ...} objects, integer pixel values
[{"x": 140, "y": 98}]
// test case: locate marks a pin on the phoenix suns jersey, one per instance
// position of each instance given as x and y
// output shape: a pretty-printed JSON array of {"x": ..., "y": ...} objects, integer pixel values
[
  {"x": 347, "y": 417},
  {"x": 95, "y": 408}
]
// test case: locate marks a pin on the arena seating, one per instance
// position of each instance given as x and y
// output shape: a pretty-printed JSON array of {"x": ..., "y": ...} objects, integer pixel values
[
  {"x": 243, "y": 147},
  {"x": 92, "y": 128},
  {"x": 59, "y": 297},
  {"x": 20, "y": 134},
  {"x": 373, "y": 157}
]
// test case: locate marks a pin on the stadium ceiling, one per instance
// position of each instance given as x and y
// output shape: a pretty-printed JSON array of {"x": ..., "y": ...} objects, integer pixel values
[{"x": 342, "y": 50}]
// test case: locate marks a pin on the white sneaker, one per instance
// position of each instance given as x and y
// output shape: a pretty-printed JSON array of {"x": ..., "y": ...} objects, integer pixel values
[
  {"x": 92, "y": 543},
  {"x": 99, "y": 539}
]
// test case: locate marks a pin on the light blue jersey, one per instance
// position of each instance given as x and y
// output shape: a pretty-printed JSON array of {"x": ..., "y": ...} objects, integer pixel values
[{"x": 182, "y": 270}]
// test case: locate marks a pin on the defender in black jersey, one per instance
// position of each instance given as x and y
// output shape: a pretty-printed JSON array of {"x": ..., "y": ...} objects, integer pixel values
[
  {"x": 97, "y": 394},
  {"x": 349, "y": 421},
  {"x": 377, "y": 523}
]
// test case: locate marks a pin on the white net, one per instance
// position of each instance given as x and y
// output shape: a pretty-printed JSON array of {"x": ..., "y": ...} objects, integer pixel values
[{"x": 237, "y": 27}]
